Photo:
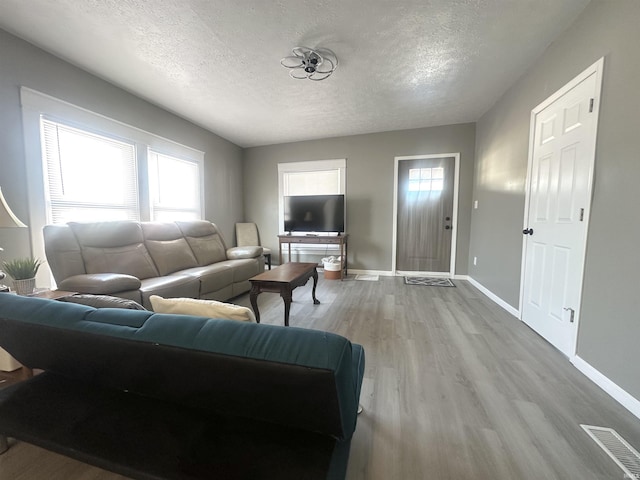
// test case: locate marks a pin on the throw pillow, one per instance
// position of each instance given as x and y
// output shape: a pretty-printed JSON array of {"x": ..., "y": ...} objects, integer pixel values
[
  {"x": 103, "y": 301},
  {"x": 201, "y": 308}
]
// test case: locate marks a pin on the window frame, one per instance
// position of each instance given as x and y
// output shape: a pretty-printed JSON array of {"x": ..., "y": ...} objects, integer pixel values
[
  {"x": 339, "y": 164},
  {"x": 132, "y": 207},
  {"x": 36, "y": 105},
  {"x": 305, "y": 167},
  {"x": 152, "y": 209}
]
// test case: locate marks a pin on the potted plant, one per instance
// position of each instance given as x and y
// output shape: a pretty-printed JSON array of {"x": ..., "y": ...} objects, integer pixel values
[{"x": 23, "y": 271}]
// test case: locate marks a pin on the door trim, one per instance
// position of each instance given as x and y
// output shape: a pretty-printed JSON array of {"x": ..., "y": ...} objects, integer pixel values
[
  {"x": 454, "y": 216},
  {"x": 595, "y": 69}
]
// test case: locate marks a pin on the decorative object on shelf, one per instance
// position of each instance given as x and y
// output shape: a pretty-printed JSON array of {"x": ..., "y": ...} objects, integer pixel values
[
  {"x": 312, "y": 63},
  {"x": 23, "y": 271},
  {"x": 7, "y": 220}
]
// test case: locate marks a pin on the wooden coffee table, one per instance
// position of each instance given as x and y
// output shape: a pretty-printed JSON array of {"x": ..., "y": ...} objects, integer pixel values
[{"x": 283, "y": 280}]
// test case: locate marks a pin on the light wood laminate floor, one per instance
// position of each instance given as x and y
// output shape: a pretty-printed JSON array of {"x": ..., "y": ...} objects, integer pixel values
[{"x": 455, "y": 388}]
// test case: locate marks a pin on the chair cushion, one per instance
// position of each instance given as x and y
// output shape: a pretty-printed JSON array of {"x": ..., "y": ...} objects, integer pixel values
[{"x": 202, "y": 308}]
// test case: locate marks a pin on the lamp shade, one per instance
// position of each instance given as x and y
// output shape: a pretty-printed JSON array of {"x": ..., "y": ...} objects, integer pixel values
[{"x": 7, "y": 217}]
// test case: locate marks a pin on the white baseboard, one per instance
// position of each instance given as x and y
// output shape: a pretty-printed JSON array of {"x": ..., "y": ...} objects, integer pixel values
[
  {"x": 389, "y": 273},
  {"x": 621, "y": 396},
  {"x": 383, "y": 273},
  {"x": 513, "y": 311}
]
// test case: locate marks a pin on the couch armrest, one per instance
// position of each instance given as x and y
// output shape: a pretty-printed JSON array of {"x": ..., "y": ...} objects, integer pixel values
[
  {"x": 100, "y": 283},
  {"x": 234, "y": 253}
]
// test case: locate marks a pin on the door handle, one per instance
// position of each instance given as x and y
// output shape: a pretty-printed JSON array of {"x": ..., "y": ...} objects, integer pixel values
[
  {"x": 528, "y": 231},
  {"x": 447, "y": 227}
]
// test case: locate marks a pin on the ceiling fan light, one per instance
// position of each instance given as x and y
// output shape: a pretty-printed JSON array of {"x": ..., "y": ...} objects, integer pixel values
[{"x": 310, "y": 62}]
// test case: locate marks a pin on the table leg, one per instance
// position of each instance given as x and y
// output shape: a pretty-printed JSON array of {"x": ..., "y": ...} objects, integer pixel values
[
  {"x": 253, "y": 298},
  {"x": 287, "y": 295},
  {"x": 346, "y": 258},
  {"x": 313, "y": 291}
]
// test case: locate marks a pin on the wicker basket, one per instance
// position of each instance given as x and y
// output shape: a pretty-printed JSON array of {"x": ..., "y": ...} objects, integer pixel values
[{"x": 24, "y": 287}]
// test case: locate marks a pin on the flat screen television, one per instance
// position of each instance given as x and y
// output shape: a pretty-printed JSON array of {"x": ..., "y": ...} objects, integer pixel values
[{"x": 314, "y": 213}]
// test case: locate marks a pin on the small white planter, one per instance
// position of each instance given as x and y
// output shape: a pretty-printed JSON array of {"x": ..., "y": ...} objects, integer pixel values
[{"x": 24, "y": 287}]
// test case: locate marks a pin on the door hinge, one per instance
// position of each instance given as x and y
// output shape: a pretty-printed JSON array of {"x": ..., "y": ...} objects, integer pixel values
[
  {"x": 591, "y": 105},
  {"x": 573, "y": 313},
  {"x": 582, "y": 214}
]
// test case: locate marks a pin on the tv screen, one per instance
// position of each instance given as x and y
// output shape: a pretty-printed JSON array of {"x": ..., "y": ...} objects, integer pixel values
[{"x": 314, "y": 213}]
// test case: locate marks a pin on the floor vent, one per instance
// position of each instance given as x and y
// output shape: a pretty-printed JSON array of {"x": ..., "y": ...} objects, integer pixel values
[{"x": 627, "y": 458}]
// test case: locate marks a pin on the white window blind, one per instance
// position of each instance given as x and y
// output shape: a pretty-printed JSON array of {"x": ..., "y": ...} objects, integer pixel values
[
  {"x": 174, "y": 188},
  {"x": 315, "y": 182},
  {"x": 88, "y": 177}
]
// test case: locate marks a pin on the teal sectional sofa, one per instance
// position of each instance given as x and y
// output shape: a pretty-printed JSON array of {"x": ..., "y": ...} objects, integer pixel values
[{"x": 155, "y": 396}]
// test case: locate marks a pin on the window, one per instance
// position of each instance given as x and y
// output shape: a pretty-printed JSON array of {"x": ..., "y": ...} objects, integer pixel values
[
  {"x": 85, "y": 166},
  {"x": 88, "y": 176},
  {"x": 96, "y": 177},
  {"x": 426, "y": 179},
  {"x": 174, "y": 188},
  {"x": 319, "y": 177}
]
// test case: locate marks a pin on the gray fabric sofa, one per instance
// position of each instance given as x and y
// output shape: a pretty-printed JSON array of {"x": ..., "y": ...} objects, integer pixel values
[
  {"x": 135, "y": 260},
  {"x": 157, "y": 396}
]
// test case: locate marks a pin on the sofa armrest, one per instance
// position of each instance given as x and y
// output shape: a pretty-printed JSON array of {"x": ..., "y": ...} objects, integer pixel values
[
  {"x": 235, "y": 253},
  {"x": 100, "y": 283}
]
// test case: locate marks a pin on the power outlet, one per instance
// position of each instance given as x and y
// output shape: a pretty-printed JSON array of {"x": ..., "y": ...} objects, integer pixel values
[{"x": 475, "y": 260}]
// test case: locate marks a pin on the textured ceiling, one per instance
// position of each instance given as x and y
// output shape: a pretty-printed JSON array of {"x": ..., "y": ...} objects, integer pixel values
[{"x": 403, "y": 64}]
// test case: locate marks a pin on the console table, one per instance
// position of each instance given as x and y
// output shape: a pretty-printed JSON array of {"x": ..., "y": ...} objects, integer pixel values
[{"x": 317, "y": 239}]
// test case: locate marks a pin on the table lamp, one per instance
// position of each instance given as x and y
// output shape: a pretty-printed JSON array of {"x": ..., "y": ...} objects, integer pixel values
[{"x": 7, "y": 220}]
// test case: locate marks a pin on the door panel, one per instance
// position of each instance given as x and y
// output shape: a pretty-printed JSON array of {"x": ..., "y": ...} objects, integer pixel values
[
  {"x": 424, "y": 214},
  {"x": 562, "y": 159}
]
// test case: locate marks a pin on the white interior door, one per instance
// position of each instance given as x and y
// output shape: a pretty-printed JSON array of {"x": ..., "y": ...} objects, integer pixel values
[{"x": 561, "y": 166}]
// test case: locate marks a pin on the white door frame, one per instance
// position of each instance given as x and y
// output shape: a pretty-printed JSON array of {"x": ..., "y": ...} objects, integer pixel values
[
  {"x": 454, "y": 216},
  {"x": 596, "y": 69}
]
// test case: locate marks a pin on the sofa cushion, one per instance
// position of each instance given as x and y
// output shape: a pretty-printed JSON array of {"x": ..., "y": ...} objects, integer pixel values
[
  {"x": 243, "y": 269},
  {"x": 171, "y": 255},
  {"x": 169, "y": 286},
  {"x": 204, "y": 239},
  {"x": 208, "y": 250},
  {"x": 234, "y": 253},
  {"x": 107, "y": 234},
  {"x": 130, "y": 259},
  {"x": 64, "y": 256},
  {"x": 100, "y": 283},
  {"x": 212, "y": 277},
  {"x": 201, "y": 308},
  {"x": 161, "y": 231}
]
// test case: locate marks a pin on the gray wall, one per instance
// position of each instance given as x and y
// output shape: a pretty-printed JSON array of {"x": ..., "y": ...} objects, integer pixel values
[
  {"x": 370, "y": 164},
  {"x": 22, "y": 64},
  {"x": 609, "y": 329}
]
